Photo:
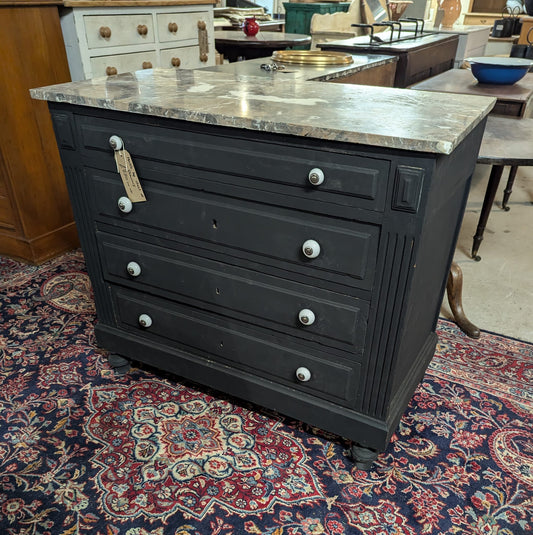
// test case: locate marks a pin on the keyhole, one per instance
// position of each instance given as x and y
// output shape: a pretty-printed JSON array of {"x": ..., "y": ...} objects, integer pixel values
[
  {"x": 217, "y": 290},
  {"x": 221, "y": 345},
  {"x": 215, "y": 224}
]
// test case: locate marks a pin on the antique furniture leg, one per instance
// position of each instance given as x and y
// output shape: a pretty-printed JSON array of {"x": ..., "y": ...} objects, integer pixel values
[
  {"x": 509, "y": 188},
  {"x": 119, "y": 364},
  {"x": 454, "y": 289},
  {"x": 490, "y": 194},
  {"x": 363, "y": 457}
]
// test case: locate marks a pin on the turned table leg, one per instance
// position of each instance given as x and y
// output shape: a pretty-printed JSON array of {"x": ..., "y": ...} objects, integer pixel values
[
  {"x": 509, "y": 187},
  {"x": 454, "y": 289},
  {"x": 490, "y": 194}
]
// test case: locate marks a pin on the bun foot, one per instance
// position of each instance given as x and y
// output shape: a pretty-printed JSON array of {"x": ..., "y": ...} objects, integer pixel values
[
  {"x": 363, "y": 457},
  {"x": 120, "y": 365}
]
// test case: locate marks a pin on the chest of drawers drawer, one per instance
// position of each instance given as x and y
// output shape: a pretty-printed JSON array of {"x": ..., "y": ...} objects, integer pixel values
[
  {"x": 173, "y": 27},
  {"x": 340, "y": 179},
  {"x": 109, "y": 65},
  {"x": 118, "y": 30},
  {"x": 277, "y": 304},
  {"x": 185, "y": 57},
  {"x": 331, "y": 248},
  {"x": 229, "y": 341}
]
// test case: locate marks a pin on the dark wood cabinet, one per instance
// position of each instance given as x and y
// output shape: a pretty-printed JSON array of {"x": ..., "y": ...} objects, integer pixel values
[
  {"x": 418, "y": 58},
  {"x": 36, "y": 220}
]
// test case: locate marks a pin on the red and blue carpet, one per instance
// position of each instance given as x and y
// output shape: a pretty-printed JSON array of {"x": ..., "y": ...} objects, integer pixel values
[{"x": 83, "y": 451}]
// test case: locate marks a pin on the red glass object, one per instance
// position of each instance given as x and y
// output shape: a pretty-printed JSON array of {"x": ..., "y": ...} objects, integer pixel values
[{"x": 250, "y": 26}]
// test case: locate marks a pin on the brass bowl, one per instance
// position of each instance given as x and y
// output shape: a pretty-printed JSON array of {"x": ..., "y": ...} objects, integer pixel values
[{"x": 312, "y": 57}]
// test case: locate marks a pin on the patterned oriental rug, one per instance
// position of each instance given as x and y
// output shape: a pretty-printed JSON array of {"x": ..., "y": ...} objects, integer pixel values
[{"x": 83, "y": 451}]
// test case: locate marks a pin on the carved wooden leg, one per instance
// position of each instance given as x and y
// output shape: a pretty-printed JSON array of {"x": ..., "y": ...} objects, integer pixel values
[
  {"x": 454, "y": 289},
  {"x": 120, "y": 365},
  {"x": 509, "y": 187},
  {"x": 490, "y": 194}
]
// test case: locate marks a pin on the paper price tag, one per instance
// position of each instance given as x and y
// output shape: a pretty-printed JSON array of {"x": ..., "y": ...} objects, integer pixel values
[{"x": 127, "y": 172}]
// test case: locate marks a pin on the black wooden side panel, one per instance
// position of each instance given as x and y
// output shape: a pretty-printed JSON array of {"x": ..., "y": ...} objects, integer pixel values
[
  {"x": 79, "y": 193},
  {"x": 438, "y": 236}
]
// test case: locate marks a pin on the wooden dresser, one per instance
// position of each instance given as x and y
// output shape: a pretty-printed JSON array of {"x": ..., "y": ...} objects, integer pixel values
[
  {"x": 293, "y": 255},
  {"x": 109, "y": 37},
  {"x": 36, "y": 219},
  {"x": 418, "y": 58}
]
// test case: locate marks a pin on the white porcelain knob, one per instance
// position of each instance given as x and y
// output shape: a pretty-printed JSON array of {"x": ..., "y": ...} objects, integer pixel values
[
  {"x": 125, "y": 205},
  {"x": 134, "y": 269},
  {"x": 316, "y": 176},
  {"x": 311, "y": 248},
  {"x": 303, "y": 374},
  {"x": 306, "y": 316},
  {"x": 116, "y": 143},
  {"x": 145, "y": 320}
]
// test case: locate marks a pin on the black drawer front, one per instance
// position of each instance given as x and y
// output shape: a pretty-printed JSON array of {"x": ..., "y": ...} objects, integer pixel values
[
  {"x": 226, "y": 340},
  {"x": 362, "y": 179},
  {"x": 346, "y": 248},
  {"x": 248, "y": 295}
]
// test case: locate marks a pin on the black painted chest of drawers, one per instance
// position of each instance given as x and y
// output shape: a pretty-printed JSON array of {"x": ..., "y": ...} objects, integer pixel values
[{"x": 303, "y": 275}]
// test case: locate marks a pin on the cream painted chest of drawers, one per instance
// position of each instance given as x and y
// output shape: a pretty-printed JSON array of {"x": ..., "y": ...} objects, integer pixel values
[{"x": 111, "y": 40}]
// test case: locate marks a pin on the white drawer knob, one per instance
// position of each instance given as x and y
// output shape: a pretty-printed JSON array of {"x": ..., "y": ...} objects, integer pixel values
[
  {"x": 311, "y": 248},
  {"x": 145, "y": 320},
  {"x": 116, "y": 143},
  {"x": 133, "y": 269},
  {"x": 306, "y": 316},
  {"x": 303, "y": 374},
  {"x": 125, "y": 205},
  {"x": 316, "y": 176}
]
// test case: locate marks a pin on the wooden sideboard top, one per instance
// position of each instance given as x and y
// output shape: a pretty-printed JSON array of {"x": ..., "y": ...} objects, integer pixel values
[{"x": 34, "y": 3}]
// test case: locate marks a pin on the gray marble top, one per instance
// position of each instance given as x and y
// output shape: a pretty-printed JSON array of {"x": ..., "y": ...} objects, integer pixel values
[
  {"x": 380, "y": 116},
  {"x": 319, "y": 73}
]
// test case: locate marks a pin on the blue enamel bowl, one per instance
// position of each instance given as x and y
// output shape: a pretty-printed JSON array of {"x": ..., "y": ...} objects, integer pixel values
[{"x": 503, "y": 71}]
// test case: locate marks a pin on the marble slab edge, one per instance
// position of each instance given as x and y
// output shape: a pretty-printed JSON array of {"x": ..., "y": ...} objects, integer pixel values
[{"x": 404, "y": 119}]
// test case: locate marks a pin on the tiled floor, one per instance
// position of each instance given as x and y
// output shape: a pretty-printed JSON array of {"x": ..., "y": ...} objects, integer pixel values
[{"x": 498, "y": 290}]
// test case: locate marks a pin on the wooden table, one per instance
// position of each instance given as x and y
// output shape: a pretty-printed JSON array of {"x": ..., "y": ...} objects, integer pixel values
[
  {"x": 507, "y": 141},
  {"x": 277, "y": 25},
  {"x": 513, "y": 100},
  {"x": 235, "y": 45}
]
